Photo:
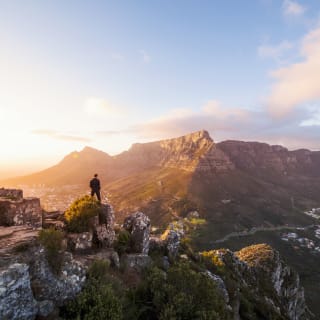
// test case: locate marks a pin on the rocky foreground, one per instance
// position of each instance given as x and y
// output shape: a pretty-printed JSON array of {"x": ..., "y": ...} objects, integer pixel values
[{"x": 253, "y": 283}]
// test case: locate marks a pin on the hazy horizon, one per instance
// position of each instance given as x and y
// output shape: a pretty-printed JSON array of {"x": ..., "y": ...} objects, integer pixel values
[
  {"x": 15, "y": 170},
  {"x": 108, "y": 74}
]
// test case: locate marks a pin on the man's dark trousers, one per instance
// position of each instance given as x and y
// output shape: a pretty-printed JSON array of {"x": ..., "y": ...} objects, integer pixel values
[{"x": 97, "y": 192}]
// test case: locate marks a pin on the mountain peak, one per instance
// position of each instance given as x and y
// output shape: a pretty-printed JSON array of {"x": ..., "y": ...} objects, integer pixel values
[
  {"x": 201, "y": 134},
  {"x": 89, "y": 149}
]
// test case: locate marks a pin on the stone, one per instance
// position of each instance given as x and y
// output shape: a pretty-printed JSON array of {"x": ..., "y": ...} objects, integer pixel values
[
  {"x": 79, "y": 241},
  {"x": 138, "y": 225},
  {"x": 103, "y": 227},
  {"x": 104, "y": 236},
  {"x": 137, "y": 262},
  {"x": 56, "y": 288},
  {"x": 45, "y": 308},
  {"x": 193, "y": 214},
  {"x": 20, "y": 211},
  {"x": 220, "y": 285},
  {"x": 16, "y": 298},
  {"x": 115, "y": 260},
  {"x": 172, "y": 238},
  {"x": 165, "y": 263},
  {"x": 13, "y": 194}
]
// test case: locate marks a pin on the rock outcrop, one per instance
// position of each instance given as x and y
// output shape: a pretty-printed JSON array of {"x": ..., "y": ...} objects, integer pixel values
[
  {"x": 16, "y": 298},
  {"x": 138, "y": 225},
  {"x": 171, "y": 238},
  {"x": 57, "y": 288},
  {"x": 101, "y": 235},
  {"x": 253, "y": 156},
  {"x": 258, "y": 282},
  {"x": 16, "y": 210},
  {"x": 103, "y": 232}
]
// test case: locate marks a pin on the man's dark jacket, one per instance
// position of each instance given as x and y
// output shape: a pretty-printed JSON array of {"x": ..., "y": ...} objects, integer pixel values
[{"x": 95, "y": 184}]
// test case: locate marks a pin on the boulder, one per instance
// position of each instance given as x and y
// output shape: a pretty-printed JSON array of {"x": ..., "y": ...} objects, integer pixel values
[
  {"x": 16, "y": 298},
  {"x": 79, "y": 241},
  {"x": 20, "y": 212},
  {"x": 172, "y": 238},
  {"x": 136, "y": 262},
  {"x": 103, "y": 227},
  {"x": 138, "y": 225},
  {"x": 56, "y": 288}
]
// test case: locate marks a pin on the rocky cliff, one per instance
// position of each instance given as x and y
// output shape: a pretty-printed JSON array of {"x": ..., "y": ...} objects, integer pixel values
[
  {"x": 253, "y": 283},
  {"x": 16, "y": 210}
]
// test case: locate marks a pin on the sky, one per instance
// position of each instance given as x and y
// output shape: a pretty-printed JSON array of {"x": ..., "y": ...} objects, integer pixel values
[{"x": 107, "y": 74}]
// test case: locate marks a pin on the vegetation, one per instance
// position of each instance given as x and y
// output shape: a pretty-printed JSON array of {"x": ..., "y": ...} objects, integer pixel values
[
  {"x": 257, "y": 255},
  {"x": 181, "y": 293},
  {"x": 51, "y": 239},
  {"x": 123, "y": 242},
  {"x": 183, "y": 206},
  {"x": 79, "y": 214},
  {"x": 98, "y": 300}
]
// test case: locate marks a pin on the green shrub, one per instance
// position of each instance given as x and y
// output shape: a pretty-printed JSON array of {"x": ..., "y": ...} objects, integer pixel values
[
  {"x": 97, "y": 301},
  {"x": 183, "y": 206},
  {"x": 79, "y": 214},
  {"x": 182, "y": 293},
  {"x": 123, "y": 243},
  {"x": 100, "y": 299},
  {"x": 51, "y": 239},
  {"x": 98, "y": 269}
]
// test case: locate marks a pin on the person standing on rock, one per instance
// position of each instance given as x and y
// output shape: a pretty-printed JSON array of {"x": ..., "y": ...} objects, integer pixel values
[{"x": 95, "y": 187}]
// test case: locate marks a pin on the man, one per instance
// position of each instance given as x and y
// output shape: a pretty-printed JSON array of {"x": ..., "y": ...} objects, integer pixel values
[{"x": 95, "y": 187}]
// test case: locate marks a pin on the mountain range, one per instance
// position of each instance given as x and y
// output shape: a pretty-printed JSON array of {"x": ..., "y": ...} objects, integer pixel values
[{"x": 234, "y": 185}]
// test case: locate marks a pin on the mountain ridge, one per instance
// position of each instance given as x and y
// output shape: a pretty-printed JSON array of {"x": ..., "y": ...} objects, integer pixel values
[
  {"x": 196, "y": 144},
  {"x": 262, "y": 184}
]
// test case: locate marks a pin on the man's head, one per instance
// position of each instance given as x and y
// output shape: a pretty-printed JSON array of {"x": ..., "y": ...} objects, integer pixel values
[{"x": 95, "y": 175}]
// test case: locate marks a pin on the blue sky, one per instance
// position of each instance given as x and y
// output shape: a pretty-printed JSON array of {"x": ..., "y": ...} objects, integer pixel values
[{"x": 110, "y": 73}]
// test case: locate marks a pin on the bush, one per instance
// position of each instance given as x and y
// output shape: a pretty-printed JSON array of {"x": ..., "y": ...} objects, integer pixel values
[
  {"x": 123, "y": 243},
  {"x": 182, "y": 293},
  {"x": 79, "y": 214},
  {"x": 98, "y": 300},
  {"x": 51, "y": 239},
  {"x": 98, "y": 269},
  {"x": 183, "y": 206}
]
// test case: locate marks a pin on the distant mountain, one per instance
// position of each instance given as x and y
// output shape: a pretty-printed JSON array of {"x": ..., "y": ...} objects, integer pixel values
[
  {"x": 75, "y": 168},
  {"x": 236, "y": 185}
]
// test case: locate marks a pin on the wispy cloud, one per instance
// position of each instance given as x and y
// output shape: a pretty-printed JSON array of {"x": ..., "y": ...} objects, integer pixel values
[
  {"x": 275, "y": 52},
  {"x": 298, "y": 83},
  {"x": 314, "y": 120},
  {"x": 293, "y": 8},
  {"x": 60, "y": 135},
  {"x": 233, "y": 123},
  {"x": 99, "y": 106},
  {"x": 145, "y": 56},
  {"x": 107, "y": 133}
]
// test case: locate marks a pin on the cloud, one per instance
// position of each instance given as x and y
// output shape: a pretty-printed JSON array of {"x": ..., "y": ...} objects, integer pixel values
[
  {"x": 98, "y": 106},
  {"x": 213, "y": 116},
  {"x": 225, "y": 123},
  {"x": 298, "y": 83},
  {"x": 145, "y": 56},
  {"x": 60, "y": 135},
  {"x": 314, "y": 120},
  {"x": 293, "y": 8},
  {"x": 275, "y": 52},
  {"x": 107, "y": 133}
]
